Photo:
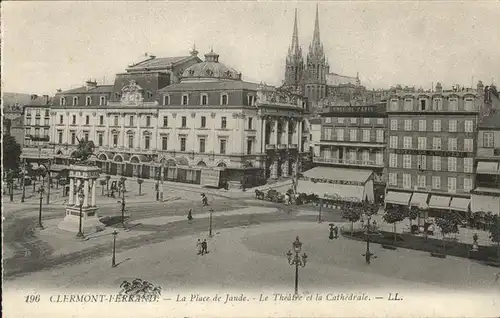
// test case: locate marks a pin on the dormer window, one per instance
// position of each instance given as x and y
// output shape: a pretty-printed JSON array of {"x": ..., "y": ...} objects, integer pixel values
[
  {"x": 149, "y": 95},
  {"x": 185, "y": 99},
  {"x": 75, "y": 101},
  {"x": 102, "y": 101},
  {"x": 117, "y": 96},
  {"x": 203, "y": 99},
  {"x": 166, "y": 100},
  {"x": 423, "y": 104},
  {"x": 223, "y": 99},
  {"x": 408, "y": 104},
  {"x": 437, "y": 104},
  {"x": 468, "y": 104},
  {"x": 251, "y": 100},
  {"x": 63, "y": 101},
  {"x": 88, "y": 101}
]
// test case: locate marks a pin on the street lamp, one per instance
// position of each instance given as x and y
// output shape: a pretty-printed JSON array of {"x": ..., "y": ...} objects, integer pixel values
[
  {"x": 113, "y": 260},
  {"x": 40, "y": 191},
  {"x": 81, "y": 197},
  {"x": 24, "y": 183},
  {"x": 123, "y": 206},
  {"x": 320, "y": 207},
  {"x": 210, "y": 223},
  {"x": 296, "y": 260},
  {"x": 368, "y": 255}
]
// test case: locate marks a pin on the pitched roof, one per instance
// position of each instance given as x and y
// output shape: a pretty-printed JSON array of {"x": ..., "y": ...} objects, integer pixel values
[
  {"x": 83, "y": 89},
  {"x": 338, "y": 174},
  {"x": 161, "y": 62},
  {"x": 10, "y": 99},
  {"x": 210, "y": 85}
]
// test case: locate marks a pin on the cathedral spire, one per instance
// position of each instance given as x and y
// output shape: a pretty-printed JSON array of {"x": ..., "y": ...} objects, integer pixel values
[
  {"x": 295, "y": 36},
  {"x": 316, "y": 39}
]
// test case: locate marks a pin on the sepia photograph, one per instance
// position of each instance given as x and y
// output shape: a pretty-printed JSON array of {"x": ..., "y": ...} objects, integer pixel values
[{"x": 250, "y": 158}]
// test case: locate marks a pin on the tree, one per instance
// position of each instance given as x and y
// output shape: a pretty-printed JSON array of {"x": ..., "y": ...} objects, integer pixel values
[
  {"x": 102, "y": 182},
  {"x": 394, "y": 215},
  {"x": 412, "y": 213},
  {"x": 447, "y": 225},
  {"x": 11, "y": 151},
  {"x": 351, "y": 213},
  {"x": 494, "y": 230},
  {"x": 140, "y": 181}
]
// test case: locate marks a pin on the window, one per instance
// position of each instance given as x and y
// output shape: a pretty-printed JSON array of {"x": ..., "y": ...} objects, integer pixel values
[
  {"x": 421, "y": 181},
  {"x": 436, "y": 182},
  {"x": 183, "y": 143},
  {"x": 46, "y": 122},
  {"x": 468, "y": 165},
  {"x": 223, "y": 122},
  {"x": 100, "y": 139},
  {"x": 61, "y": 119},
  {"x": 452, "y": 164},
  {"x": 467, "y": 184},
  {"x": 423, "y": 104},
  {"x": 394, "y": 124},
  {"x": 353, "y": 120},
  {"x": 436, "y": 143},
  {"x": 421, "y": 162},
  {"x": 352, "y": 155},
  {"x": 341, "y": 120},
  {"x": 380, "y": 135},
  {"x": 407, "y": 181},
  {"x": 327, "y": 134},
  {"x": 37, "y": 121},
  {"x": 223, "y": 99},
  {"x": 452, "y": 184},
  {"x": 222, "y": 149},
  {"x": 87, "y": 120},
  {"x": 379, "y": 158},
  {"x": 250, "y": 123},
  {"x": 131, "y": 121},
  {"x": 453, "y": 104},
  {"x": 393, "y": 179},
  {"x": 60, "y": 137},
  {"x": 452, "y": 144},
  {"x": 469, "y": 104},
  {"x": 436, "y": 163},
  {"x": 340, "y": 134},
  {"x": 185, "y": 99},
  {"x": 452, "y": 126},
  {"x": 75, "y": 101},
  {"x": 74, "y": 120},
  {"x": 407, "y": 142},
  {"x": 166, "y": 99},
  {"x": 436, "y": 125},
  {"x": 202, "y": 145},
  {"x": 422, "y": 143},
  {"x": 47, "y": 113},
  {"x": 380, "y": 121},
  {"x": 73, "y": 138},
  {"x": 148, "y": 121},
  {"x": 27, "y": 132},
  {"x": 204, "y": 99},
  {"x": 86, "y": 136},
  {"x": 393, "y": 142},
  {"x": 249, "y": 146},
  {"x": 438, "y": 104},
  {"x": 62, "y": 100},
  {"x": 102, "y": 101},
  {"x": 407, "y": 161},
  {"x": 366, "y": 135},
  {"x": 165, "y": 121},
  {"x": 468, "y": 145},
  {"x": 488, "y": 139},
  {"x": 250, "y": 100},
  {"x": 116, "y": 121},
  {"x": 88, "y": 101},
  {"x": 408, "y": 124},
  {"x": 203, "y": 121},
  {"x": 37, "y": 132},
  {"x": 393, "y": 160},
  {"x": 147, "y": 142},
  {"x": 422, "y": 125},
  {"x": 365, "y": 156},
  {"x": 164, "y": 143},
  {"x": 394, "y": 104},
  {"x": 46, "y": 132},
  {"x": 408, "y": 104},
  {"x": 469, "y": 126},
  {"x": 366, "y": 121},
  {"x": 353, "y": 135},
  {"x": 101, "y": 120},
  {"x": 183, "y": 121},
  {"x": 131, "y": 141},
  {"x": 115, "y": 140}
]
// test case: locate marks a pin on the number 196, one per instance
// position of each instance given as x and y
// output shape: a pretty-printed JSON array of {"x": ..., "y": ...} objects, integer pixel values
[{"x": 32, "y": 298}]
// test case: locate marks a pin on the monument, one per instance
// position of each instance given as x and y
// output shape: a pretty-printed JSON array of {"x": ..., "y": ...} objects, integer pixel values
[{"x": 81, "y": 209}]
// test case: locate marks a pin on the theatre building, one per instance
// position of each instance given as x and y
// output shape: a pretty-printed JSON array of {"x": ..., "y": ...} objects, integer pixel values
[
  {"x": 186, "y": 120},
  {"x": 431, "y": 148}
]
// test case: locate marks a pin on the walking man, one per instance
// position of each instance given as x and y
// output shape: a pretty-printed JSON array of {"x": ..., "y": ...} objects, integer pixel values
[
  {"x": 198, "y": 247},
  {"x": 204, "y": 247},
  {"x": 190, "y": 215},
  {"x": 336, "y": 230}
]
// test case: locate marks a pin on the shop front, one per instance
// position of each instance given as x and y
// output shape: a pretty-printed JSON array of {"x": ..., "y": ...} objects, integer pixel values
[
  {"x": 394, "y": 199},
  {"x": 439, "y": 206}
]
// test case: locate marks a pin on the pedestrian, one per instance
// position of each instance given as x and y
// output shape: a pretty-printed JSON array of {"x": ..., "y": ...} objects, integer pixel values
[
  {"x": 336, "y": 230},
  {"x": 287, "y": 199},
  {"x": 204, "y": 247},
  {"x": 198, "y": 247},
  {"x": 497, "y": 276},
  {"x": 190, "y": 215}
]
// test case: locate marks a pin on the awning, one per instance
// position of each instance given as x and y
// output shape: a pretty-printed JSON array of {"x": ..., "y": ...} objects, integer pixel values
[
  {"x": 332, "y": 191},
  {"x": 439, "y": 202},
  {"x": 460, "y": 204},
  {"x": 487, "y": 167},
  {"x": 354, "y": 175},
  {"x": 401, "y": 198},
  {"x": 485, "y": 203},
  {"x": 419, "y": 200}
]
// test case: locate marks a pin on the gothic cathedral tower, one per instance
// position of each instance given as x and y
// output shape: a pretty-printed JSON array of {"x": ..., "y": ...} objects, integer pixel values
[
  {"x": 316, "y": 68},
  {"x": 294, "y": 66}
]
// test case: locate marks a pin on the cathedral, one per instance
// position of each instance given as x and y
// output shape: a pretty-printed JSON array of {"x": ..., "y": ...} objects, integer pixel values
[{"x": 312, "y": 78}]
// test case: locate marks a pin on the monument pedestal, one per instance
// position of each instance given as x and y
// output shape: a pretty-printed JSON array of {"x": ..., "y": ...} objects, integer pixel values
[{"x": 90, "y": 220}]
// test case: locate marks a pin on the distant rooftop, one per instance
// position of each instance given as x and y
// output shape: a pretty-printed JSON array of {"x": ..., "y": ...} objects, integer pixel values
[
  {"x": 86, "y": 89},
  {"x": 491, "y": 122},
  {"x": 158, "y": 63}
]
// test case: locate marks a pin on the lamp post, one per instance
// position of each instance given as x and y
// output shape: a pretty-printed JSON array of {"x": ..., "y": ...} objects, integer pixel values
[
  {"x": 296, "y": 260},
  {"x": 48, "y": 183},
  {"x": 123, "y": 207},
  {"x": 113, "y": 260},
  {"x": 368, "y": 255},
  {"x": 24, "y": 183},
  {"x": 320, "y": 207},
  {"x": 210, "y": 223},
  {"x": 81, "y": 197},
  {"x": 40, "y": 191}
]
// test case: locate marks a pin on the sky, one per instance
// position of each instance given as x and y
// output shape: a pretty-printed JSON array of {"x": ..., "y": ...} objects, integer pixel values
[{"x": 59, "y": 45}]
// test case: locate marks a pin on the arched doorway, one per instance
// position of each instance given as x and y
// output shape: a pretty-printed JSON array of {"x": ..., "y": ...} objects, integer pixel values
[
  {"x": 222, "y": 164},
  {"x": 201, "y": 164}
]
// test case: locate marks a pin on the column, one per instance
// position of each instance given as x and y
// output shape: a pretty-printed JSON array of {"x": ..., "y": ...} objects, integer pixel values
[
  {"x": 299, "y": 136},
  {"x": 284, "y": 167},
  {"x": 287, "y": 127},
  {"x": 274, "y": 169},
  {"x": 76, "y": 200},
  {"x": 71, "y": 189},
  {"x": 93, "y": 191},
  {"x": 295, "y": 133},
  {"x": 263, "y": 137},
  {"x": 86, "y": 192},
  {"x": 275, "y": 133}
]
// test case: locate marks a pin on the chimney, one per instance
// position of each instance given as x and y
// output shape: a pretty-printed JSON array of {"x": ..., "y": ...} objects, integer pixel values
[
  {"x": 439, "y": 87},
  {"x": 46, "y": 99},
  {"x": 59, "y": 90},
  {"x": 91, "y": 84},
  {"x": 34, "y": 96},
  {"x": 480, "y": 88}
]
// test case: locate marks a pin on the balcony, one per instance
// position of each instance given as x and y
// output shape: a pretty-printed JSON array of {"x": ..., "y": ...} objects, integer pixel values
[
  {"x": 346, "y": 162},
  {"x": 37, "y": 138},
  {"x": 293, "y": 146},
  {"x": 270, "y": 147},
  {"x": 282, "y": 146}
]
